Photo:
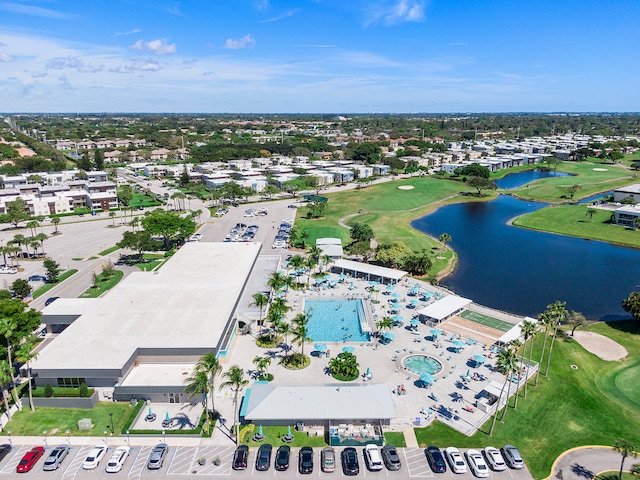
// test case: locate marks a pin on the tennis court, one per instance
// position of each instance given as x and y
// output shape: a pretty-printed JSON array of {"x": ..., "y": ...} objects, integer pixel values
[{"x": 486, "y": 320}]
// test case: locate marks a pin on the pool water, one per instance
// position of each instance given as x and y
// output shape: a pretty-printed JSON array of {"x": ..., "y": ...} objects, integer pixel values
[
  {"x": 420, "y": 364},
  {"x": 335, "y": 320}
]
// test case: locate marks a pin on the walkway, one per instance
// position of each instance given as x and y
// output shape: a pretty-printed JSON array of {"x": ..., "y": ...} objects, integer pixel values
[{"x": 586, "y": 462}]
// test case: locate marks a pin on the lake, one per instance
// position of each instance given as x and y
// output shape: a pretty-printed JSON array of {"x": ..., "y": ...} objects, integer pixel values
[{"x": 522, "y": 271}]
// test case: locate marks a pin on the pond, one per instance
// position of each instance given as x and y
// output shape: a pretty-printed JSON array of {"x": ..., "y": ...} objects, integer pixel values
[
  {"x": 522, "y": 271},
  {"x": 515, "y": 180}
]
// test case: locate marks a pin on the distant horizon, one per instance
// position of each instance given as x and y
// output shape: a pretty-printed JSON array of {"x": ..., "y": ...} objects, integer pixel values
[{"x": 403, "y": 56}]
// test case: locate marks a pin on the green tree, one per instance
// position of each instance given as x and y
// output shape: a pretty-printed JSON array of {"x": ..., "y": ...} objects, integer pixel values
[
  {"x": 168, "y": 225},
  {"x": 361, "y": 249},
  {"x": 236, "y": 382},
  {"x": 392, "y": 254},
  {"x": 366, "y": 152},
  {"x": 572, "y": 190},
  {"x": 590, "y": 212},
  {"x": 506, "y": 363},
  {"x": 480, "y": 184},
  {"x": 344, "y": 365},
  {"x": 21, "y": 288},
  {"x": 474, "y": 170},
  {"x": 444, "y": 239},
  {"x": 575, "y": 320},
  {"x": 361, "y": 232},
  {"x": 270, "y": 191},
  {"x": 5, "y": 379},
  {"x": 53, "y": 270},
  {"x": 631, "y": 304},
  {"x": 9, "y": 330},
  {"x": 260, "y": 300},
  {"x": 33, "y": 226},
  {"x": 301, "y": 330},
  {"x": 262, "y": 365},
  {"x": 184, "y": 177},
  {"x": 418, "y": 263},
  {"x": 197, "y": 384},
  {"x": 557, "y": 313},
  {"x": 56, "y": 222},
  {"x": 112, "y": 215},
  {"x": 26, "y": 353},
  {"x": 528, "y": 330},
  {"x": 125, "y": 194},
  {"x": 625, "y": 448},
  {"x": 137, "y": 241},
  {"x": 17, "y": 212},
  {"x": 210, "y": 365},
  {"x": 98, "y": 159}
]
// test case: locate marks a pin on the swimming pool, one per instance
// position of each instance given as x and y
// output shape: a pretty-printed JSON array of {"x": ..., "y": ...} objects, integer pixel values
[
  {"x": 421, "y": 364},
  {"x": 335, "y": 320}
]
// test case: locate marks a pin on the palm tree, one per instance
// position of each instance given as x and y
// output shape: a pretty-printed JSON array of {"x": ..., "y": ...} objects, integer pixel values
[
  {"x": 528, "y": 330},
  {"x": 41, "y": 237},
  {"x": 315, "y": 251},
  {"x": 262, "y": 365},
  {"x": 33, "y": 225},
  {"x": 260, "y": 300},
  {"x": 12, "y": 249},
  {"x": 591, "y": 212},
  {"x": 515, "y": 344},
  {"x": 278, "y": 309},
  {"x": 18, "y": 239},
  {"x": 284, "y": 329},
  {"x": 236, "y": 382},
  {"x": 444, "y": 239},
  {"x": 625, "y": 448},
  {"x": 301, "y": 329},
  {"x": 198, "y": 384},
  {"x": 210, "y": 365},
  {"x": 56, "y": 222},
  {"x": 544, "y": 320},
  {"x": 277, "y": 281},
  {"x": 558, "y": 314},
  {"x": 5, "y": 377},
  {"x": 326, "y": 261},
  {"x": 636, "y": 223},
  {"x": 506, "y": 360},
  {"x": 296, "y": 263},
  {"x": 134, "y": 223},
  {"x": 8, "y": 328},
  {"x": 310, "y": 264},
  {"x": 25, "y": 354}
]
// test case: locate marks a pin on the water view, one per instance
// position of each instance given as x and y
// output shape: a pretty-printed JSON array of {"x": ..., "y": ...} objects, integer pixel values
[
  {"x": 522, "y": 271},
  {"x": 515, "y": 180}
]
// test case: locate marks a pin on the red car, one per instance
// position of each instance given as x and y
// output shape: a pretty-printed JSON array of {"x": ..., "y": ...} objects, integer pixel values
[{"x": 29, "y": 460}]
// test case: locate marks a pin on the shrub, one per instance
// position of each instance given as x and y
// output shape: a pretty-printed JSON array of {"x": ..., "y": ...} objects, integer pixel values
[
  {"x": 48, "y": 390},
  {"x": 84, "y": 391}
]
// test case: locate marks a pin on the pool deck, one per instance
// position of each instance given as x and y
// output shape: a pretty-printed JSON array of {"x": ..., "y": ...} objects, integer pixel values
[{"x": 418, "y": 407}]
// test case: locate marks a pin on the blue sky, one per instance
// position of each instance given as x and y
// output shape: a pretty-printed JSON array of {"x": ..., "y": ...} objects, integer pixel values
[{"x": 261, "y": 56}]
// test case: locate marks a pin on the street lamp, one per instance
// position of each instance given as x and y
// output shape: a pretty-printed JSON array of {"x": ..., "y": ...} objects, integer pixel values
[
  {"x": 68, "y": 438},
  {"x": 44, "y": 432},
  {"x": 128, "y": 439},
  {"x": 163, "y": 432},
  {"x": 112, "y": 429},
  {"x": 105, "y": 438}
]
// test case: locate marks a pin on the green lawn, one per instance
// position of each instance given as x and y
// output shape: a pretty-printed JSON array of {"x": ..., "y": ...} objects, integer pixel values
[
  {"x": 60, "y": 420},
  {"x": 574, "y": 221},
  {"x": 554, "y": 190},
  {"x": 593, "y": 405},
  {"x": 273, "y": 435},
  {"x": 104, "y": 284},
  {"x": 395, "y": 438}
]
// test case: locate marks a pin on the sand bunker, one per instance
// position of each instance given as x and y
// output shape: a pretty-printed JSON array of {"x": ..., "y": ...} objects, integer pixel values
[
  {"x": 599, "y": 345},
  {"x": 600, "y": 169},
  {"x": 405, "y": 187}
]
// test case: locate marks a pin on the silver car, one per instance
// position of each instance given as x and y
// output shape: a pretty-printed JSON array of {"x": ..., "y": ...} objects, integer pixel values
[
  {"x": 55, "y": 458},
  {"x": 156, "y": 458}
]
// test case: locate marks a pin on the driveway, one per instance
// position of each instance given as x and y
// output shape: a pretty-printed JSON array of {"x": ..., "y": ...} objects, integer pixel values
[{"x": 586, "y": 462}]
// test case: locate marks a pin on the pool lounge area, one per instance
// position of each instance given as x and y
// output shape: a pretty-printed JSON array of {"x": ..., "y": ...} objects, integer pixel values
[{"x": 338, "y": 320}]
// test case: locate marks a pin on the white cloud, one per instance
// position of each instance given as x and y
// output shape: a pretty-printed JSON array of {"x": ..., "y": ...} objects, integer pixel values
[
  {"x": 130, "y": 32},
  {"x": 159, "y": 47},
  {"x": 5, "y": 57},
  {"x": 288, "y": 14},
  {"x": 396, "y": 12},
  {"x": 34, "y": 11},
  {"x": 74, "y": 62},
  {"x": 245, "y": 42},
  {"x": 137, "y": 65}
]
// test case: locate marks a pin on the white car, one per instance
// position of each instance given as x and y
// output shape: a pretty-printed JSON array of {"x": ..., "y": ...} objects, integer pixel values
[
  {"x": 93, "y": 457},
  {"x": 373, "y": 457},
  {"x": 455, "y": 460},
  {"x": 494, "y": 459},
  {"x": 477, "y": 464},
  {"x": 117, "y": 460}
]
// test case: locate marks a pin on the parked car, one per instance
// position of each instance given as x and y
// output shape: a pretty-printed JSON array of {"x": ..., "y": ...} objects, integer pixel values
[
  {"x": 117, "y": 459},
  {"x": 50, "y": 300},
  {"x": 92, "y": 460},
  {"x": 512, "y": 457},
  {"x": 477, "y": 465},
  {"x": 281, "y": 462},
  {"x": 5, "y": 449},
  {"x": 305, "y": 460},
  {"x": 29, "y": 459},
  {"x": 455, "y": 460},
  {"x": 350, "y": 465},
  {"x": 328, "y": 459},
  {"x": 494, "y": 459},
  {"x": 37, "y": 278},
  {"x": 435, "y": 459},
  {"x": 391, "y": 458},
  {"x": 55, "y": 458},
  {"x": 372, "y": 457},
  {"x": 240, "y": 458},
  {"x": 156, "y": 458},
  {"x": 263, "y": 458}
]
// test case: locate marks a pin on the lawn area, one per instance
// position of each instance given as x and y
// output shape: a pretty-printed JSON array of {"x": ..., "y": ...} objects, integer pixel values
[
  {"x": 48, "y": 286},
  {"x": 574, "y": 221},
  {"x": 60, "y": 420},
  {"x": 273, "y": 435},
  {"x": 590, "y": 181},
  {"x": 140, "y": 200},
  {"x": 395, "y": 438},
  {"x": 591, "y": 405},
  {"x": 105, "y": 282}
]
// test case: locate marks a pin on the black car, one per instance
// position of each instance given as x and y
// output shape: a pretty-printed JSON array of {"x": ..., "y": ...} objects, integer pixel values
[
  {"x": 349, "y": 459},
  {"x": 305, "y": 460},
  {"x": 5, "y": 449},
  {"x": 390, "y": 457},
  {"x": 435, "y": 459},
  {"x": 50, "y": 300},
  {"x": 282, "y": 458},
  {"x": 240, "y": 458},
  {"x": 263, "y": 459}
]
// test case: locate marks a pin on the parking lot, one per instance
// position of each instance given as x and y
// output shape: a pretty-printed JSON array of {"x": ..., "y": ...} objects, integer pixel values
[{"x": 182, "y": 462}]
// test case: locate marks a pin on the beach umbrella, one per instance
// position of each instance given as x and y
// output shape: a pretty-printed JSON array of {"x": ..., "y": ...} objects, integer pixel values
[
  {"x": 320, "y": 347},
  {"x": 397, "y": 318},
  {"x": 348, "y": 349},
  {"x": 149, "y": 413},
  {"x": 458, "y": 343},
  {"x": 468, "y": 372},
  {"x": 435, "y": 332},
  {"x": 479, "y": 358},
  {"x": 414, "y": 302},
  {"x": 426, "y": 378},
  {"x": 396, "y": 295},
  {"x": 288, "y": 430},
  {"x": 415, "y": 321},
  {"x": 166, "y": 416},
  {"x": 368, "y": 372},
  {"x": 388, "y": 335},
  {"x": 260, "y": 433}
]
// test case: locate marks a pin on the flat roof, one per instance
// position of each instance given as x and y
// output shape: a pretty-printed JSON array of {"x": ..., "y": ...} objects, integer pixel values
[
  {"x": 368, "y": 269},
  {"x": 158, "y": 374},
  {"x": 445, "y": 307},
  {"x": 515, "y": 331},
  {"x": 184, "y": 306},
  {"x": 309, "y": 402}
]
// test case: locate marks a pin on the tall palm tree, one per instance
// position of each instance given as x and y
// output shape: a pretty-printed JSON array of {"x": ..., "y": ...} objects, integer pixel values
[
  {"x": 296, "y": 263},
  {"x": 444, "y": 239},
  {"x": 326, "y": 260},
  {"x": 33, "y": 225},
  {"x": 56, "y": 222},
  {"x": 310, "y": 263},
  {"x": 41, "y": 237},
  {"x": 19, "y": 240},
  {"x": 262, "y": 365},
  {"x": 301, "y": 330},
  {"x": 5, "y": 378},
  {"x": 558, "y": 315},
  {"x": 506, "y": 360},
  {"x": 260, "y": 300},
  {"x": 26, "y": 353},
  {"x": 284, "y": 329},
  {"x": 210, "y": 364},
  {"x": 198, "y": 384},
  {"x": 544, "y": 320},
  {"x": 112, "y": 215},
  {"x": 8, "y": 328},
  {"x": 236, "y": 382},
  {"x": 625, "y": 448},
  {"x": 277, "y": 281},
  {"x": 528, "y": 330},
  {"x": 516, "y": 345}
]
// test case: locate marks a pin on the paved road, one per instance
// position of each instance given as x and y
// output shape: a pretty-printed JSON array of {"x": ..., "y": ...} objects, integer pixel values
[{"x": 586, "y": 462}]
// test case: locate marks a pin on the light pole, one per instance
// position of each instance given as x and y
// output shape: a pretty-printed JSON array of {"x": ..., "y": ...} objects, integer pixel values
[
  {"x": 112, "y": 429},
  {"x": 128, "y": 439},
  {"x": 44, "y": 432},
  {"x": 68, "y": 438},
  {"x": 105, "y": 438},
  {"x": 163, "y": 433}
]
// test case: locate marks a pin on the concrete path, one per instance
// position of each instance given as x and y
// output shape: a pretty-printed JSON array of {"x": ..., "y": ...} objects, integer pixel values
[
  {"x": 410, "y": 437},
  {"x": 586, "y": 462}
]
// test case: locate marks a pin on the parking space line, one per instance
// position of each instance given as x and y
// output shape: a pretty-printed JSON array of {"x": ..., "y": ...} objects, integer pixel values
[
  {"x": 138, "y": 464},
  {"x": 12, "y": 463},
  {"x": 75, "y": 463}
]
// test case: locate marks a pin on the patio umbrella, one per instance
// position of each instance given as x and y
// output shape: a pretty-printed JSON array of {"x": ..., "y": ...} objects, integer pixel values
[
  {"x": 374, "y": 282},
  {"x": 414, "y": 321},
  {"x": 435, "y": 332},
  {"x": 414, "y": 302},
  {"x": 320, "y": 347},
  {"x": 397, "y": 318},
  {"x": 479, "y": 358},
  {"x": 426, "y": 378},
  {"x": 368, "y": 372},
  {"x": 395, "y": 295},
  {"x": 149, "y": 413},
  {"x": 468, "y": 372},
  {"x": 348, "y": 349},
  {"x": 388, "y": 335},
  {"x": 390, "y": 287},
  {"x": 166, "y": 416},
  {"x": 288, "y": 430},
  {"x": 458, "y": 343},
  {"x": 260, "y": 433}
]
